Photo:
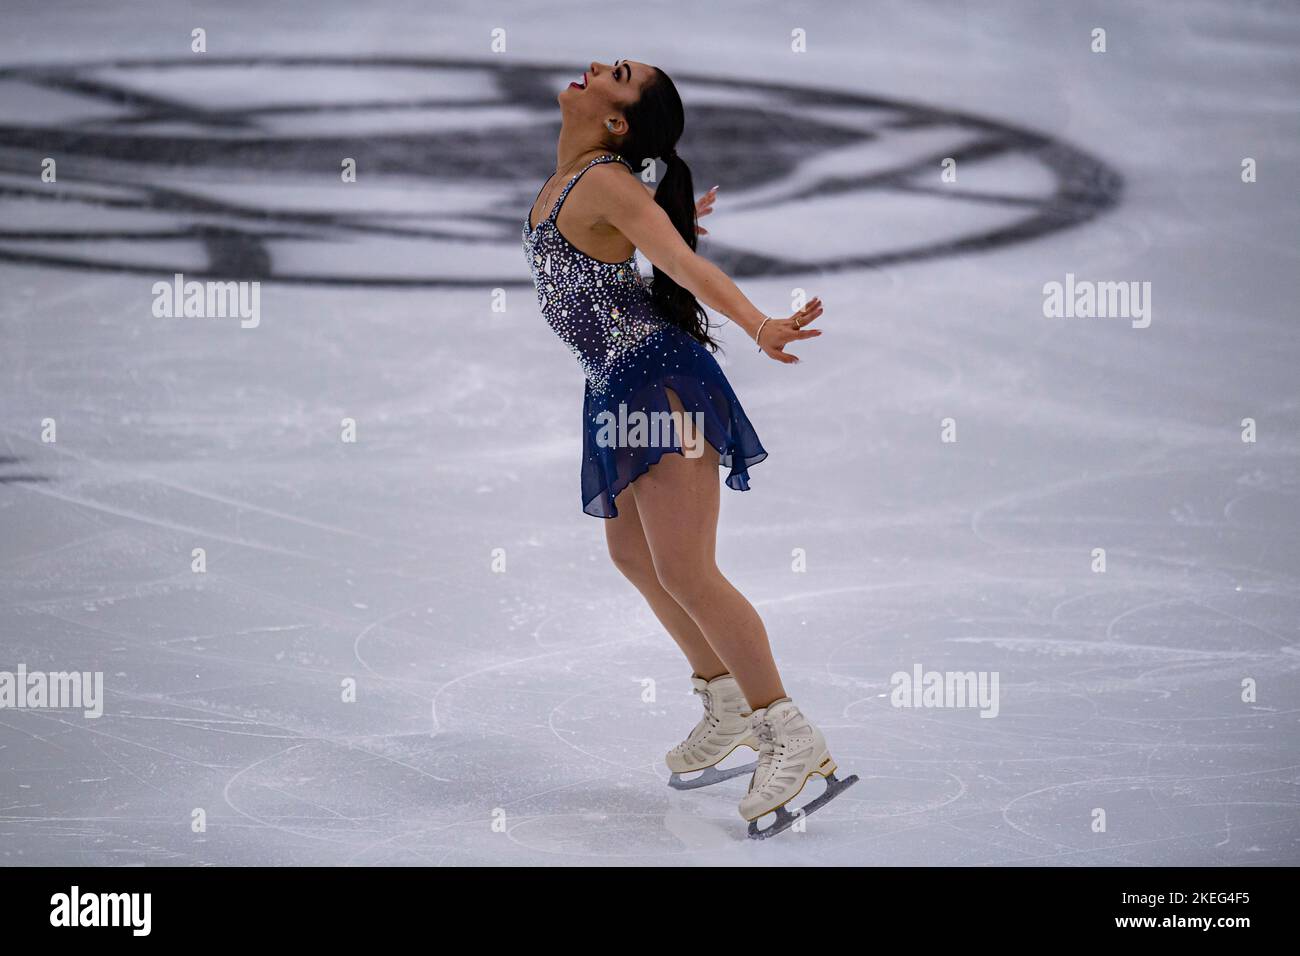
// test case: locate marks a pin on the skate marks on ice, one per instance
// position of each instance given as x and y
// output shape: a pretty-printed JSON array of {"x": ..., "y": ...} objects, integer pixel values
[
  {"x": 1099, "y": 708},
  {"x": 1113, "y": 686},
  {"x": 13, "y": 471},
  {"x": 552, "y": 737},
  {"x": 212, "y": 167}
]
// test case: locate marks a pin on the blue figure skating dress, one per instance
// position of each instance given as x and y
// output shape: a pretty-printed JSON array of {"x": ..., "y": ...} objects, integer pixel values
[{"x": 632, "y": 356}]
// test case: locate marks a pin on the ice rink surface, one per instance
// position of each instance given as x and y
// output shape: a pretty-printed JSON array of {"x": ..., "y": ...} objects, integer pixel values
[{"x": 520, "y": 718}]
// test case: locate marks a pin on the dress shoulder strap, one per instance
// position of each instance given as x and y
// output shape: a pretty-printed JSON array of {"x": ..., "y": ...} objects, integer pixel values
[{"x": 564, "y": 194}]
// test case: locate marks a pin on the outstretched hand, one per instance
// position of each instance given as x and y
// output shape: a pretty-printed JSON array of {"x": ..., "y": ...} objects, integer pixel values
[
  {"x": 776, "y": 334},
  {"x": 704, "y": 206}
]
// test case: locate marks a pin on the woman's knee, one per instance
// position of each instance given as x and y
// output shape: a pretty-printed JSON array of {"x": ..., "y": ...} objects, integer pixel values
[
  {"x": 689, "y": 584},
  {"x": 633, "y": 561}
]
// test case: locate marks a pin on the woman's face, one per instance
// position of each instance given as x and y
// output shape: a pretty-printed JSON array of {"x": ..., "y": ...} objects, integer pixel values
[{"x": 604, "y": 92}]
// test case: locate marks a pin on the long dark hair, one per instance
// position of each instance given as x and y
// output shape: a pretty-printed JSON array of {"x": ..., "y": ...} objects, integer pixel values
[{"x": 655, "y": 123}]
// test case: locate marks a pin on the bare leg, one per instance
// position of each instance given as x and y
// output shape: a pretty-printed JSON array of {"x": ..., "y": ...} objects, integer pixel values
[
  {"x": 631, "y": 555},
  {"x": 677, "y": 502}
]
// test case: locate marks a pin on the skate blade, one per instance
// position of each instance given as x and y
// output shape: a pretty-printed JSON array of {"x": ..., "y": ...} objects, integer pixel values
[
  {"x": 709, "y": 776},
  {"x": 785, "y": 819}
]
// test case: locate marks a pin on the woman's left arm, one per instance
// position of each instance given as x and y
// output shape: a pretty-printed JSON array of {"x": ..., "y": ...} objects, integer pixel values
[{"x": 635, "y": 214}]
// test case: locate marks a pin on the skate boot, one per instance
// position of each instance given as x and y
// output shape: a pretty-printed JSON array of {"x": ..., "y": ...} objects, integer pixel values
[
  {"x": 724, "y": 727},
  {"x": 790, "y": 751}
]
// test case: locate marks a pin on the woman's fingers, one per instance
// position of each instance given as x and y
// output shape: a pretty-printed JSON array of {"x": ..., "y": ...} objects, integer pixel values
[
  {"x": 793, "y": 329},
  {"x": 704, "y": 205},
  {"x": 786, "y": 332},
  {"x": 794, "y": 335},
  {"x": 808, "y": 313}
]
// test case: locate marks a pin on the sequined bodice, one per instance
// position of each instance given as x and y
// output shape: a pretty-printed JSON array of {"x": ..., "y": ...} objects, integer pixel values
[{"x": 601, "y": 310}]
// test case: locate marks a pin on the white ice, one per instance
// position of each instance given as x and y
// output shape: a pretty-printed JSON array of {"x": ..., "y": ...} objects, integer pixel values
[{"x": 519, "y": 697}]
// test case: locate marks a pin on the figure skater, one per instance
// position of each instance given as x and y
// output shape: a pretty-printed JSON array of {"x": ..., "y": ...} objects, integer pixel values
[{"x": 660, "y": 417}]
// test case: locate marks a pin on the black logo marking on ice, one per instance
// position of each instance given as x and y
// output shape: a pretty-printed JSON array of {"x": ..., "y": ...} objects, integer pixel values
[{"x": 230, "y": 168}]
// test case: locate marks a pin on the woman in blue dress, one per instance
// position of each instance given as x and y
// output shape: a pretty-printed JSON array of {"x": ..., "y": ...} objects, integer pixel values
[{"x": 660, "y": 417}]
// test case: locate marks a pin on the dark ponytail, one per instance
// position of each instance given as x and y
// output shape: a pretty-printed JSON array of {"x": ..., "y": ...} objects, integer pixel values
[{"x": 655, "y": 123}]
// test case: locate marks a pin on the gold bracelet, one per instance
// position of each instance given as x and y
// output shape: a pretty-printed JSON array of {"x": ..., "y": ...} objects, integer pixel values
[{"x": 766, "y": 320}]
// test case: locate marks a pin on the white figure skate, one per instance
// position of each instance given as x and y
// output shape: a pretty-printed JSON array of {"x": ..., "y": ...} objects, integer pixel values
[
  {"x": 724, "y": 727},
  {"x": 790, "y": 751}
]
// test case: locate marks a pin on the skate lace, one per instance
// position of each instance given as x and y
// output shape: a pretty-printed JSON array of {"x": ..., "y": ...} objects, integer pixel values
[
  {"x": 706, "y": 722},
  {"x": 767, "y": 748}
]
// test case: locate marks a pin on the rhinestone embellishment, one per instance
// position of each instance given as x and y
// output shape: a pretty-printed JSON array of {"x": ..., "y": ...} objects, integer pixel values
[{"x": 601, "y": 310}]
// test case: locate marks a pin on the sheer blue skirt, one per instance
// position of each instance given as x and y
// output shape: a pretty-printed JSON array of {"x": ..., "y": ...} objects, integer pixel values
[{"x": 615, "y": 454}]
